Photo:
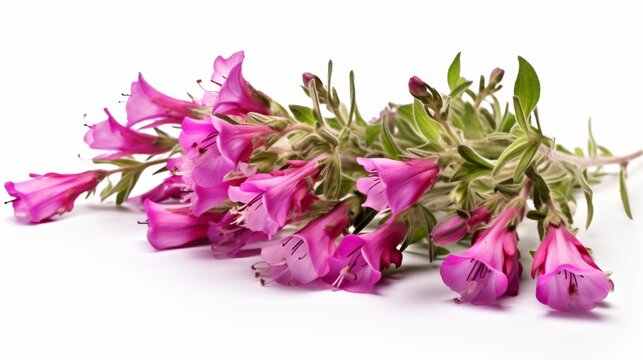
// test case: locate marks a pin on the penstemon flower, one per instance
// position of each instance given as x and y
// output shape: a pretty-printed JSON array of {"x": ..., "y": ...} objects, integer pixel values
[
  {"x": 568, "y": 278},
  {"x": 358, "y": 263},
  {"x": 325, "y": 196},
  {"x": 50, "y": 194},
  {"x": 303, "y": 257},
  {"x": 490, "y": 267},
  {"x": 124, "y": 141},
  {"x": 396, "y": 184}
]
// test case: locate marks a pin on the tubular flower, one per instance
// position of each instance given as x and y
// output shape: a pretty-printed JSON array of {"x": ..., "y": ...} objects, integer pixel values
[
  {"x": 46, "y": 195},
  {"x": 269, "y": 198},
  {"x": 483, "y": 272},
  {"x": 303, "y": 256},
  {"x": 396, "y": 184},
  {"x": 568, "y": 279},
  {"x": 124, "y": 141},
  {"x": 359, "y": 260},
  {"x": 237, "y": 96}
]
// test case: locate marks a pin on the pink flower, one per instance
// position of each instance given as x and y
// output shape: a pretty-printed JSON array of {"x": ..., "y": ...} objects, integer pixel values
[
  {"x": 269, "y": 198},
  {"x": 456, "y": 227},
  {"x": 303, "y": 257},
  {"x": 148, "y": 104},
  {"x": 203, "y": 168},
  {"x": 236, "y": 142},
  {"x": 229, "y": 240},
  {"x": 223, "y": 66},
  {"x": 483, "y": 272},
  {"x": 170, "y": 189},
  {"x": 171, "y": 226},
  {"x": 359, "y": 260},
  {"x": 46, "y": 195},
  {"x": 237, "y": 96},
  {"x": 569, "y": 279},
  {"x": 110, "y": 135},
  {"x": 396, "y": 184}
]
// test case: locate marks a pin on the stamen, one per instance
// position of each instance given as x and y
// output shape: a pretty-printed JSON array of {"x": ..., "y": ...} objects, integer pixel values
[
  {"x": 144, "y": 222},
  {"x": 12, "y": 200}
]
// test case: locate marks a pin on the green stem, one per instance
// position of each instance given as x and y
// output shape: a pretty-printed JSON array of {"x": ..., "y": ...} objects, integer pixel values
[{"x": 137, "y": 166}]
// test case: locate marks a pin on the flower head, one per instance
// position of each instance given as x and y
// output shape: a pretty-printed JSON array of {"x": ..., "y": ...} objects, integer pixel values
[
  {"x": 124, "y": 141},
  {"x": 456, "y": 226},
  {"x": 568, "y": 279},
  {"x": 236, "y": 142},
  {"x": 229, "y": 239},
  {"x": 145, "y": 103},
  {"x": 237, "y": 96},
  {"x": 268, "y": 199},
  {"x": 171, "y": 226},
  {"x": 483, "y": 272},
  {"x": 46, "y": 195},
  {"x": 359, "y": 259},
  {"x": 303, "y": 256},
  {"x": 396, "y": 184}
]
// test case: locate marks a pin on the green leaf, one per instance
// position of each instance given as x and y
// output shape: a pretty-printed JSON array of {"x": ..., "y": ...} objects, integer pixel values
[
  {"x": 520, "y": 115},
  {"x": 540, "y": 186},
  {"x": 511, "y": 152},
  {"x": 454, "y": 72},
  {"x": 470, "y": 123},
  {"x": 508, "y": 121},
  {"x": 303, "y": 114},
  {"x": 372, "y": 132},
  {"x": 429, "y": 128},
  {"x": 471, "y": 156},
  {"x": 591, "y": 143},
  {"x": 526, "y": 159},
  {"x": 469, "y": 171},
  {"x": 460, "y": 89},
  {"x": 624, "y": 198},
  {"x": 388, "y": 143},
  {"x": 527, "y": 86},
  {"x": 351, "y": 80}
]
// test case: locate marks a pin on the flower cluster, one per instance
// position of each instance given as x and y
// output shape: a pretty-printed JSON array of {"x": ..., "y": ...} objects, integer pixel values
[{"x": 323, "y": 196}]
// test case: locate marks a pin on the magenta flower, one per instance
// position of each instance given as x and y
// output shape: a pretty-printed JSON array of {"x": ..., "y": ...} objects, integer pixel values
[
  {"x": 236, "y": 142},
  {"x": 396, "y": 184},
  {"x": 456, "y": 227},
  {"x": 170, "y": 189},
  {"x": 482, "y": 273},
  {"x": 303, "y": 257},
  {"x": 238, "y": 97},
  {"x": 230, "y": 240},
  {"x": 145, "y": 103},
  {"x": 46, "y": 195},
  {"x": 223, "y": 66},
  {"x": 569, "y": 279},
  {"x": 269, "y": 198},
  {"x": 203, "y": 168},
  {"x": 171, "y": 226},
  {"x": 124, "y": 141},
  {"x": 359, "y": 260}
]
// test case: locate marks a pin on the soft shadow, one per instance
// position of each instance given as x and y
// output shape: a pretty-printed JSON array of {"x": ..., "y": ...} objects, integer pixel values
[{"x": 591, "y": 316}]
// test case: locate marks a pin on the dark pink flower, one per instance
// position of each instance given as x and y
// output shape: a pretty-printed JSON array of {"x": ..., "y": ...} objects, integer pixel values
[
  {"x": 268, "y": 199},
  {"x": 145, "y": 103},
  {"x": 170, "y": 189},
  {"x": 456, "y": 227},
  {"x": 236, "y": 142},
  {"x": 229, "y": 239},
  {"x": 238, "y": 97},
  {"x": 171, "y": 226},
  {"x": 303, "y": 257},
  {"x": 396, "y": 184},
  {"x": 568, "y": 279},
  {"x": 46, "y": 195},
  {"x": 203, "y": 168},
  {"x": 483, "y": 272},
  {"x": 124, "y": 141},
  {"x": 359, "y": 260}
]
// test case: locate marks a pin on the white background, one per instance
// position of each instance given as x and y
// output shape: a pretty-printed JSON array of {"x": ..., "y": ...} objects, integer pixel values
[{"x": 89, "y": 286}]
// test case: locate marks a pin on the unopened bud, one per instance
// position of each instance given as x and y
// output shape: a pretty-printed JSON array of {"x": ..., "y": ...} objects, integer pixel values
[
  {"x": 419, "y": 89},
  {"x": 496, "y": 77}
]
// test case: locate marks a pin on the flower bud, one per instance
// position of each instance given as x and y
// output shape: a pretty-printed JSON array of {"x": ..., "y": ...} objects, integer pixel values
[
  {"x": 496, "y": 77},
  {"x": 419, "y": 89}
]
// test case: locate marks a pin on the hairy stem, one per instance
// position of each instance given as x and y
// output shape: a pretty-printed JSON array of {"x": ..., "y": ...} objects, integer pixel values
[{"x": 583, "y": 162}]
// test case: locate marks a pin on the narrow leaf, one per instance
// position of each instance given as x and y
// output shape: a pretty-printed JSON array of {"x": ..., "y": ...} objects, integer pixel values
[
  {"x": 303, "y": 114},
  {"x": 525, "y": 160},
  {"x": 511, "y": 152},
  {"x": 527, "y": 86},
  {"x": 429, "y": 128},
  {"x": 388, "y": 143},
  {"x": 520, "y": 114},
  {"x": 471, "y": 156},
  {"x": 454, "y": 72}
]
